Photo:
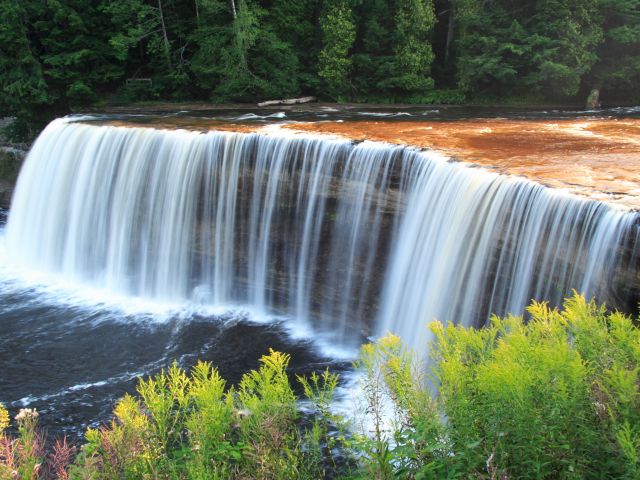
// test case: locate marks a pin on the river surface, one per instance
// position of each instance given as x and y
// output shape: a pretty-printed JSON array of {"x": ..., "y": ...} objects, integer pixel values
[
  {"x": 73, "y": 361},
  {"x": 72, "y": 351}
]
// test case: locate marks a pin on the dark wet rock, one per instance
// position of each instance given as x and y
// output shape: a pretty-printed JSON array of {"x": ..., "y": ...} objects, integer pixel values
[{"x": 11, "y": 159}]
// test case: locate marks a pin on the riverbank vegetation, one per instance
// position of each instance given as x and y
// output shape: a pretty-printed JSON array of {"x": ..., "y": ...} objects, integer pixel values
[
  {"x": 72, "y": 54},
  {"x": 556, "y": 397}
]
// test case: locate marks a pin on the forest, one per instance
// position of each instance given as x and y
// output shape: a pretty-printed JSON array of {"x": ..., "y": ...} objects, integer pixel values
[{"x": 64, "y": 55}]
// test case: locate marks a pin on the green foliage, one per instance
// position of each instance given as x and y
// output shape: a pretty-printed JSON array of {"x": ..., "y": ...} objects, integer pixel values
[
  {"x": 21, "y": 457},
  {"x": 296, "y": 24},
  {"x": 138, "y": 23},
  {"x": 406, "y": 430},
  {"x": 74, "y": 50},
  {"x": 545, "y": 46},
  {"x": 238, "y": 56},
  {"x": 4, "y": 418},
  {"x": 555, "y": 397},
  {"x": 58, "y": 56},
  {"x": 192, "y": 426},
  {"x": 617, "y": 70},
  {"x": 412, "y": 59},
  {"x": 338, "y": 35},
  {"x": 23, "y": 89},
  {"x": 394, "y": 56},
  {"x": 440, "y": 97}
]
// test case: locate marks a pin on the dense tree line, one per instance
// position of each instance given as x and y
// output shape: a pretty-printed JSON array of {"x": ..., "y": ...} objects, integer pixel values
[{"x": 62, "y": 54}]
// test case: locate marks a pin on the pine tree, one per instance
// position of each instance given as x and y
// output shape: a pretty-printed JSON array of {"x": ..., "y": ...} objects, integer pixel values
[
  {"x": 23, "y": 89},
  {"x": 74, "y": 50},
  {"x": 564, "y": 35},
  {"x": 545, "y": 46},
  {"x": 295, "y": 24},
  {"x": 412, "y": 59},
  {"x": 617, "y": 71},
  {"x": 239, "y": 57}
]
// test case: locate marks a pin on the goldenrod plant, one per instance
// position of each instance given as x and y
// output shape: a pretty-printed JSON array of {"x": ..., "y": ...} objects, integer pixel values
[
  {"x": 4, "y": 418},
  {"x": 21, "y": 457},
  {"x": 192, "y": 426},
  {"x": 553, "y": 397}
]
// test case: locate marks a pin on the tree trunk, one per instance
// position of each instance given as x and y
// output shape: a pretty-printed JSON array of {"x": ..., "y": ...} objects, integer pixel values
[
  {"x": 287, "y": 101},
  {"x": 233, "y": 9},
  {"x": 450, "y": 25},
  {"x": 167, "y": 47}
]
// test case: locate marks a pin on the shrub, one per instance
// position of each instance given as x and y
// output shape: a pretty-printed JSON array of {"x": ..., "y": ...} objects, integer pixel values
[
  {"x": 23, "y": 457},
  {"x": 555, "y": 397},
  {"x": 439, "y": 97},
  {"x": 406, "y": 429},
  {"x": 192, "y": 426}
]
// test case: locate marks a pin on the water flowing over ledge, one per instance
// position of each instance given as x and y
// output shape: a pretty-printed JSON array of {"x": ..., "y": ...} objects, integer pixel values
[{"x": 347, "y": 238}]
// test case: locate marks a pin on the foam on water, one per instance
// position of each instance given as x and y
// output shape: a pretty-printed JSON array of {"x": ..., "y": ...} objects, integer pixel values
[
  {"x": 385, "y": 114},
  {"x": 104, "y": 305},
  {"x": 254, "y": 116}
]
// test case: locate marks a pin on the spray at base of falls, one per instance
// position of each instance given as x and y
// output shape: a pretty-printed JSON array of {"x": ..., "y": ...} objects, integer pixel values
[{"x": 350, "y": 239}]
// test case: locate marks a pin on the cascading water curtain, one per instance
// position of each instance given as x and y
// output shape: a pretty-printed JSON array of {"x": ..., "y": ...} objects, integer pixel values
[{"x": 351, "y": 239}]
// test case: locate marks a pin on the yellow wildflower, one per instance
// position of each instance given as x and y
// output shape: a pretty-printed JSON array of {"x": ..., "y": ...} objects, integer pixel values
[{"x": 4, "y": 418}]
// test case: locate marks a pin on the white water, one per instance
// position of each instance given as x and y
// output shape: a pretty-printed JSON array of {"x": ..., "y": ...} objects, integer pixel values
[
  {"x": 475, "y": 243},
  {"x": 340, "y": 238}
]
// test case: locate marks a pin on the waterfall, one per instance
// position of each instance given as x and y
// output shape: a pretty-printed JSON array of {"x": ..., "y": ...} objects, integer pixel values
[
  {"x": 348, "y": 238},
  {"x": 475, "y": 244}
]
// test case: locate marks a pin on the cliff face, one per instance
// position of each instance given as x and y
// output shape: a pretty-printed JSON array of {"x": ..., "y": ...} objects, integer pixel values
[
  {"x": 11, "y": 157},
  {"x": 10, "y": 161}
]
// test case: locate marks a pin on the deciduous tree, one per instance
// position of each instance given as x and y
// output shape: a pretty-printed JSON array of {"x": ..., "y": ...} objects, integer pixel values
[{"x": 338, "y": 34}]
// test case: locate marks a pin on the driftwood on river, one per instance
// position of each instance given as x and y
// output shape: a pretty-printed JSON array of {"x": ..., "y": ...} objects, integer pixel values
[{"x": 287, "y": 101}]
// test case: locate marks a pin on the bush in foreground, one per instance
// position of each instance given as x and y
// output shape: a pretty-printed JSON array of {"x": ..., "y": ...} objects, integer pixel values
[
  {"x": 193, "y": 426},
  {"x": 556, "y": 397}
]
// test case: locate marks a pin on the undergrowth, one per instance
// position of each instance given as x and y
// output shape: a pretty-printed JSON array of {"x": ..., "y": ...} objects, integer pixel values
[{"x": 556, "y": 397}]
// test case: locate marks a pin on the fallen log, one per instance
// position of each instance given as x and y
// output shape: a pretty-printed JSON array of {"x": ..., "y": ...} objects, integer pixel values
[{"x": 287, "y": 101}]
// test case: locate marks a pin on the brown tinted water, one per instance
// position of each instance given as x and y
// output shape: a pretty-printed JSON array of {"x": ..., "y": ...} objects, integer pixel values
[
  {"x": 594, "y": 157},
  {"x": 599, "y": 158}
]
